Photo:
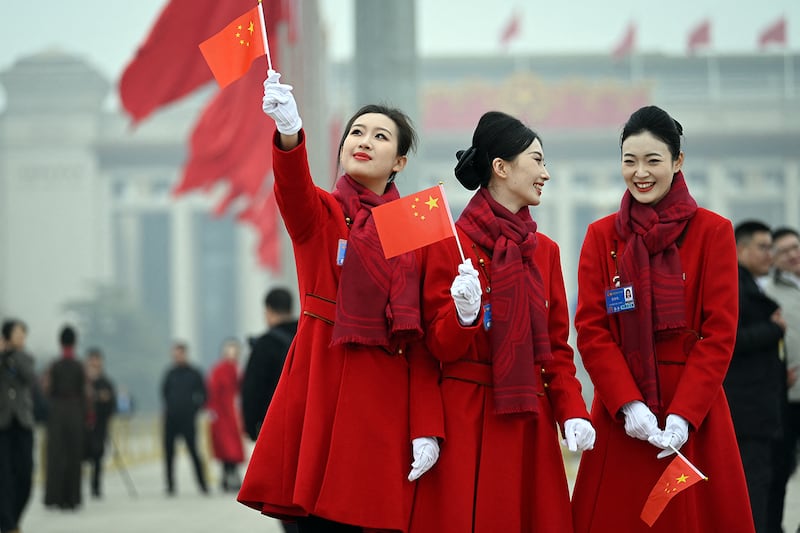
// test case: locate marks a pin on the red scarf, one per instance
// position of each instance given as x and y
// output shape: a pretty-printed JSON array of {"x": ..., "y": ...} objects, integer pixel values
[
  {"x": 651, "y": 262},
  {"x": 377, "y": 303},
  {"x": 518, "y": 335},
  {"x": 68, "y": 352}
]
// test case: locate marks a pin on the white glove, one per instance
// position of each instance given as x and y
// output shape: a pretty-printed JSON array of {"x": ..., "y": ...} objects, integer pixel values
[
  {"x": 640, "y": 422},
  {"x": 578, "y": 435},
  {"x": 426, "y": 453},
  {"x": 279, "y": 104},
  {"x": 466, "y": 293},
  {"x": 675, "y": 434}
]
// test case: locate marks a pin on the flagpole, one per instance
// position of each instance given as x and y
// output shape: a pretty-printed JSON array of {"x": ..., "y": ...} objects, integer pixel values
[
  {"x": 264, "y": 33},
  {"x": 688, "y": 462},
  {"x": 452, "y": 224}
]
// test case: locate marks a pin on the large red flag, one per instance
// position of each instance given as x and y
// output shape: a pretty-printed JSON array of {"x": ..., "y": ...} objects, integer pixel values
[
  {"x": 700, "y": 36},
  {"x": 678, "y": 476},
  {"x": 627, "y": 44},
  {"x": 231, "y": 142},
  {"x": 774, "y": 33},
  {"x": 231, "y": 51},
  {"x": 168, "y": 65},
  {"x": 413, "y": 221}
]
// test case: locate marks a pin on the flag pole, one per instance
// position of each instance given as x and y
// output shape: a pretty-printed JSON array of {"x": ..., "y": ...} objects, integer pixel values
[
  {"x": 452, "y": 224},
  {"x": 264, "y": 33},
  {"x": 688, "y": 462}
]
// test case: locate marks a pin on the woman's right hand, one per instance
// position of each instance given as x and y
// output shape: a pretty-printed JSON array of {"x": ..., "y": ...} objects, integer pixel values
[
  {"x": 279, "y": 104},
  {"x": 466, "y": 293},
  {"x": 640, "y": 422}
]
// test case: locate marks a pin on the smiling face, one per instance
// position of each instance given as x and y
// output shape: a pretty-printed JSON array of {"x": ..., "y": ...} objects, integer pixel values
[
  {"x": 648, "y": 167},
  {"x": 518, "y": 183},
  {"x": 369, "y": 152}
]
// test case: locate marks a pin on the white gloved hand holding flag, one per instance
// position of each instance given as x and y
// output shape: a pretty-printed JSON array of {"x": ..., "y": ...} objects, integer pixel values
[{"x": 279, "y": 104}]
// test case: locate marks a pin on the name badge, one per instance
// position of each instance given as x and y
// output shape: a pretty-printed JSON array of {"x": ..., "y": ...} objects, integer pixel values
[
  {"x": 342, "y": 248},
  {"x": 487, "y": 316},
  {"x": 620, "y": 299}
]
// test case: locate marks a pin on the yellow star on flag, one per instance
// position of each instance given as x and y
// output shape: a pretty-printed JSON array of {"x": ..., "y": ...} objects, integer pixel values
[
  {"x": 682, "y": 478},
  {"x": 432, "y": 202}
]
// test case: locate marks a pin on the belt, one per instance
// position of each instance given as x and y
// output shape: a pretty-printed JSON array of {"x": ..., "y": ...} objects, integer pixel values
[{"x": 477, "y": 372}]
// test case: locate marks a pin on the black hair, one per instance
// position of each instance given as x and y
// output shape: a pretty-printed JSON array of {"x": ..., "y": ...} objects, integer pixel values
[
  {"x": 783, "y": 232},
  {"x": 94, "y": 351},
  {"x": 745, "y": 230},
  {"x": 659, "y": 123},
  {"x": 406, "y": 134},
  {"x": 496, "y": 135},
  {"x": 67, "y": 337},
  {"x": 279, "y": 300},
  {"x": 9, "y": 325}
]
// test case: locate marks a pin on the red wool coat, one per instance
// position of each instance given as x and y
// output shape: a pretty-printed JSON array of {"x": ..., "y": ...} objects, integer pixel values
[
  {"x": 226, "y": 431},
  {"x": 616, "y": 477},
  {"x": 495, "y": 472},
  {"x": 336, "y": 440}
]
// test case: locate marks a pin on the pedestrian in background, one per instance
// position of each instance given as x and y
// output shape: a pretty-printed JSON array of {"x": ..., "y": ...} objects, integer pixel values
[
  {"x": 17, "y": 378},
  {"x": 184, "y": 394},
  {"x": 66, "y": 425},
  {"x": 223, "y": 413},
  {"x": 103, "y": 405},
  {"x": 783, "y": 286},
  {"x": 267, "y": 356}
]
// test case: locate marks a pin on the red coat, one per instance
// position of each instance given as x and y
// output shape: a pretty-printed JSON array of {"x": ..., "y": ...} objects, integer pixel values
[
  {"x": 506, "y": 471},
  {"x": 336, "y": 440},
  {"x": 616, "y": 477},
  {"x": 226, "y": 432}
]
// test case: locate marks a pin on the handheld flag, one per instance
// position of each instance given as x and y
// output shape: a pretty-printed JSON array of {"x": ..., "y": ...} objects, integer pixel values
[
  {"x": 413, "y": 221},
  {"x": 679, "y": 475},
  {"x": 230, "y": 52}
]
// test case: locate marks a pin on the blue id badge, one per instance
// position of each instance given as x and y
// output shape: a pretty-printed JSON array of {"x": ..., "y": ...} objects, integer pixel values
[
  {"x": 342, "y": 248},
  {"x": 487, "y": 316},
  {"x": 620, "y": 299}
]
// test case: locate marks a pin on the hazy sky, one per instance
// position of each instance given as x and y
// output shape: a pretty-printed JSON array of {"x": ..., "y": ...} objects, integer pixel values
[{"x": 107, "y": 32}]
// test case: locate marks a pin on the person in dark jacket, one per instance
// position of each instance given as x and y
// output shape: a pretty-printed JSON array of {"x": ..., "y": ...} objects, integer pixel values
[
  {"x": 184, "y": 393},
  {"x": 267, "y": 355},
  {"x": 103, "y": 406},
  {"x": 17, "y": 378},
  {"x": 66, "y": 425},
  {"x": 756, "y": 379}
]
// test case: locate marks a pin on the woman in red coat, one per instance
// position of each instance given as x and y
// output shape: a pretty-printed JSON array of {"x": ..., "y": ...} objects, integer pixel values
[
  {"x": 226, "y": 431},
  {"x": 500, "y": 335},
  {"x": 656, "y": 322},
  {"x": 335, "y": 448}
]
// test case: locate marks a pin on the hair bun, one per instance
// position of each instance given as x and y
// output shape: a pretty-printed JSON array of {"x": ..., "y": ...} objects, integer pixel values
[{"x": 465, "y": 170}]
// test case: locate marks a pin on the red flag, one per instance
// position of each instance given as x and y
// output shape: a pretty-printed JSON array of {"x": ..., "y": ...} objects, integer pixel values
[
  {"x": 262, "y": 214},
  {"x": 700, "y": 36},
  {"x": 775, "y": 33},
  {"x": 168, "y": 65},
  {"x": 678, "y": 476},
  {"x": 231, "y": 51},
  {"x": 231, "y": 143},
  {"x": 413, "y": 221},
  {"x": 511, "y": 29},
  {"x": 627, "y": 44}
]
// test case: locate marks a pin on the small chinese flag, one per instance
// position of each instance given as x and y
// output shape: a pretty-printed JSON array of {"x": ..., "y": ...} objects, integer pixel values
[
  {"x": 678, "y": 476},
  {"x": 230, "y": 52},
  {"x": 413, "y": 221}
]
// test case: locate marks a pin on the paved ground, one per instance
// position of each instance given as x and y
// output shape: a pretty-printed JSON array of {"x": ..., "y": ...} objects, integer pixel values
[{"x": 150, "y": 510}]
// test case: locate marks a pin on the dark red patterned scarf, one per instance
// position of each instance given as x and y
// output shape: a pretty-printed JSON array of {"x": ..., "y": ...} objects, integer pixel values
[
  {"x": 377, "y": 303},
  {"x": 651, "y": 262},
  {"x": 518, "y": 334}
]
